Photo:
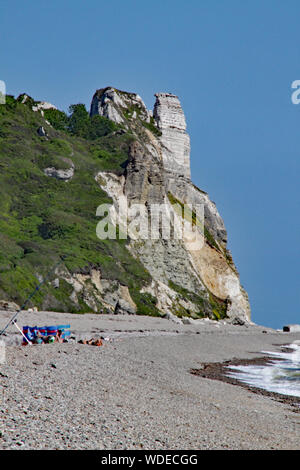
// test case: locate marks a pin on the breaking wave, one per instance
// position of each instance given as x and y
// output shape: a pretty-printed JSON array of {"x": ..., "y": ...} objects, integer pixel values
[{"x": 276, "y": 376}]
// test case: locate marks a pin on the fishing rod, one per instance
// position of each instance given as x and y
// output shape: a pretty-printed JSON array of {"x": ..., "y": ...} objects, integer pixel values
[{"x": 13, "y": 319}]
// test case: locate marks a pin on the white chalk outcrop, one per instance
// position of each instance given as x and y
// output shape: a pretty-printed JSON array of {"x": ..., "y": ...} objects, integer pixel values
[
  {"x": 175, "y": 141},
  {"x": 65, "y": 174},
  {"x": 112, "y": 103},
  {"x": 43, "y": 105}
]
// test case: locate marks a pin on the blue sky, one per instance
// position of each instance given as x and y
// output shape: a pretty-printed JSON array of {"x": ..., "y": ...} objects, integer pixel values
[{"x": 232, "y": 64}]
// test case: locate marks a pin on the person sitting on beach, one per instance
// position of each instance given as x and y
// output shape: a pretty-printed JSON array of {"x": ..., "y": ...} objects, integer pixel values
[{"x": 59, "y": 337}]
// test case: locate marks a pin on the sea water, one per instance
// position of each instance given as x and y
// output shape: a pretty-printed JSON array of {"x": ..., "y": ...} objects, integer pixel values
[{"x": 281, "y": 376}]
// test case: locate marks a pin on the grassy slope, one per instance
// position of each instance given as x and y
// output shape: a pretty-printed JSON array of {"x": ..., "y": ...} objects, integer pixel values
[{"x": 42, "y": 218}]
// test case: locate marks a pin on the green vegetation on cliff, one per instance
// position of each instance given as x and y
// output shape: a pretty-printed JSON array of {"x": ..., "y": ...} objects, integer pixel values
[
  {"x": 79, "y": 123},
  {"x": 190, "y": 216},
  {"x": 212, "y": 306},
  {"x": 43, "y": 218},
  {"x": 45, "y": 215}
]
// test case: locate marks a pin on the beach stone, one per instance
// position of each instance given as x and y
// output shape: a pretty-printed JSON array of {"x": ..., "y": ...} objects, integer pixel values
[
  {"x": 122, "y": 307},
  {"x": 237, "y": 321},
  {"x": 291, "y": 328},
  {"x": 10, "y": 306}
]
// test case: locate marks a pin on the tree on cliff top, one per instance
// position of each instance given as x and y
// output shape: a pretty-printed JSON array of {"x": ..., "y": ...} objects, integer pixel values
[{"x": 79, "y": 123}]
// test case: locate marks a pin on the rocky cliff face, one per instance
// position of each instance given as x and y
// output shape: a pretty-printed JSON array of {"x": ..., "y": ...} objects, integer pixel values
[
  {"x": 187, "y": 282},
  {"x": 174, "y": 141}
]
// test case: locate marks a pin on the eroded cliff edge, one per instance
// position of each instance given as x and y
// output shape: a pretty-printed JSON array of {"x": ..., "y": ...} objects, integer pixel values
[{"x": 198, "y": 282}]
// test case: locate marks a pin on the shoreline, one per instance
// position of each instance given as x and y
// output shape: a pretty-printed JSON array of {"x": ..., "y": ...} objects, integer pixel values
[
  {"x": 136, "y": 391},
  {"x": 218, "y": 371}
]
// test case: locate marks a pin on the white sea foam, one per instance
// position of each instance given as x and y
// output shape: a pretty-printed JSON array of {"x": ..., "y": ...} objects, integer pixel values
[{"x": 276, "y": 376}]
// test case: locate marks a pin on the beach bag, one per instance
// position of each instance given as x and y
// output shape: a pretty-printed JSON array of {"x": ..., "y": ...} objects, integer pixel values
[{"x": 51, "y": 330}]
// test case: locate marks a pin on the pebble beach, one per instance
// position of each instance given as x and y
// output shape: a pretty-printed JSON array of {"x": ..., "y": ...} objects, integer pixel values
[{"x": 137, "y": 390}]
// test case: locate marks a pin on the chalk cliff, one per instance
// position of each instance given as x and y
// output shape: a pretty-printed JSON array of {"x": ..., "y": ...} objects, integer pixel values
[
  {"x": 187, "y": 282},
  {"x": 57, "y": 169},
  {"x": 174, "y": 141}
]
